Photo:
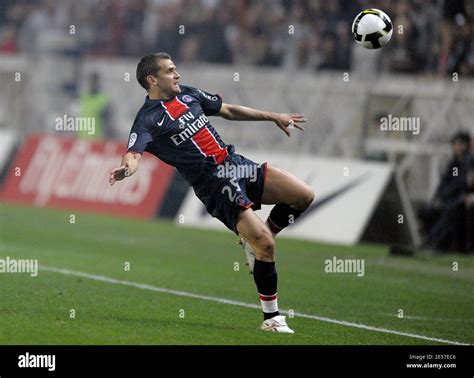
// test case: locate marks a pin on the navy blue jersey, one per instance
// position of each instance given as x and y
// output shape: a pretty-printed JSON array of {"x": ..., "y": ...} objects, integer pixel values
[{"x": 178, "y": 132}]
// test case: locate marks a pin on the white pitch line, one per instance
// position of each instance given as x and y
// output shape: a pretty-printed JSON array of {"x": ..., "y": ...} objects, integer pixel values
[
  {"x": 241, "y": 304},
  {"x": 413, "y": 317}
]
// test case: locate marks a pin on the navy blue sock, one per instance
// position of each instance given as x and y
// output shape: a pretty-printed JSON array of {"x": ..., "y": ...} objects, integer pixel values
[
  {"x": 266, "y": 279},
  {"x": 281, "y": 216}
]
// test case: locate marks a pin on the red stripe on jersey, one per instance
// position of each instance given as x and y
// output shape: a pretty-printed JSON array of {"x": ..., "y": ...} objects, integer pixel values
[
  {"x": 267, "y": 298},
  {"x": 208, "y": 144},
  {"x": 175, "y": 107}
]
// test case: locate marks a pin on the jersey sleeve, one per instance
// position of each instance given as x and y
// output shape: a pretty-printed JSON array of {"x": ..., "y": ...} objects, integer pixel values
[
  {"x": 210, "y": 103},
  {"x": 139, "y": 137}
]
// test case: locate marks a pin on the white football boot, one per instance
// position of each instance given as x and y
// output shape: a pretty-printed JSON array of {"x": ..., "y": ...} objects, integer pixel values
[
  {"x": 249, "y": 253},
  {"x": 276, "y": 324}
]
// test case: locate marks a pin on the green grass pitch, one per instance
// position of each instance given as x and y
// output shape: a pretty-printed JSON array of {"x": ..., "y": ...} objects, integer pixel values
[{"x": 437, "y": 301}]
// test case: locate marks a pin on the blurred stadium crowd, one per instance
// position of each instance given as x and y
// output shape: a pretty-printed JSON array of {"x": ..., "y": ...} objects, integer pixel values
[{"x": 437, "y": 35}]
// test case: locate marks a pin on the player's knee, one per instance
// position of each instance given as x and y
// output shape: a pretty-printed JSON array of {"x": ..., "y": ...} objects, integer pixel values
[
  {"x": 309, "y": 197},
  {"x": 306, "y": 198},
  {"x": 265, "y": 245}
]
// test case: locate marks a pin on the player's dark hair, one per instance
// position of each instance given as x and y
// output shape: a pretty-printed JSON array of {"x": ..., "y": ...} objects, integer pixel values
[{"x": 149, "y": 65}]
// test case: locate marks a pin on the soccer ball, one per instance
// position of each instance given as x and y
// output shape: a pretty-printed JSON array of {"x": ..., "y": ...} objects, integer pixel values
[{"x": 372, "y": 29}]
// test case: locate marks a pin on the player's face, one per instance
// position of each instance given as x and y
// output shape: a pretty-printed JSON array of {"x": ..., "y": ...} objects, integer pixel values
[{"x": 168, "y": 78}]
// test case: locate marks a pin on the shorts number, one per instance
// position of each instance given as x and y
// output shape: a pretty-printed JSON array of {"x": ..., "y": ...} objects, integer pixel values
[{"x": 228, "y": 189}]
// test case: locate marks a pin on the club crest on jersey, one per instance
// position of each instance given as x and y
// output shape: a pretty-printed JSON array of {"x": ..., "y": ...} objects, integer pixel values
[
  {"x": 240, "y": 200},
  {"x": 187, "y": 98}
]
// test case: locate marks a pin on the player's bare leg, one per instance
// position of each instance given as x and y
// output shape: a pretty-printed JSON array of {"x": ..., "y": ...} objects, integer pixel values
[
  {"x": 252, "y": 228},
  {"x": 291, "y": 196},
  {"x": 258, "y": 235}
]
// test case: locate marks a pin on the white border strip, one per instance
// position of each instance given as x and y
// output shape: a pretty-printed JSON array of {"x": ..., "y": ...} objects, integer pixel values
[{"x": 241, "y": 304}]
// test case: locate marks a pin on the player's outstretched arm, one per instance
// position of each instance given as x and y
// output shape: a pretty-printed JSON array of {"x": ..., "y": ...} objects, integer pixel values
[
  {"x": 284, "y": 121},
  {"x": 128, "y": 167}
]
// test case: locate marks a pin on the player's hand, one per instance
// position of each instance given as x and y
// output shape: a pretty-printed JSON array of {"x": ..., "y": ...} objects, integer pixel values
[
  {"x": 128, "y": 167},
  {"x": 288, "y": 121},
  {"x": 118, "y": 174}
]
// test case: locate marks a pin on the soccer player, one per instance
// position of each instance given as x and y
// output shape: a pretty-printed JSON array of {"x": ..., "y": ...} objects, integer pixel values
[{"x": 173, "y": 125}]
